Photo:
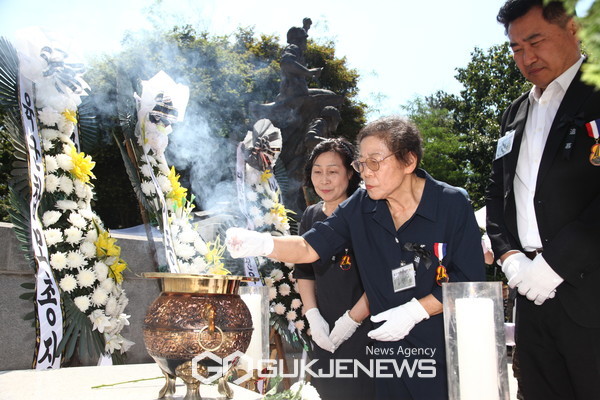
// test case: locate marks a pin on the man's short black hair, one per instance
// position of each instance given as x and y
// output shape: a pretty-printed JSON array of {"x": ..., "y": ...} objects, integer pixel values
[{"x": 553, "y": 12}]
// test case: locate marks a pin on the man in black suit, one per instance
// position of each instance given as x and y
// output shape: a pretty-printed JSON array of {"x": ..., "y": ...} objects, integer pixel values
[{"x": 543, "y": 206}]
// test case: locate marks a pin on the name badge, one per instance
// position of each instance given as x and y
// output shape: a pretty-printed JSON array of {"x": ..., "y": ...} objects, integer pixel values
[
  {"x": 403, "y": 277},
  {"x": 505, "y": 144}
]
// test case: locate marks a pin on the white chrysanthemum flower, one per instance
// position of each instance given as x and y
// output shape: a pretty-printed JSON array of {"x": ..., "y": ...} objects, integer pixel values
[
  {"x": 111, "y": 306},
  {"x": 53, "y": 236},
  {"x": 276, "y": 274},
  {"x": 99, "y": 320},
  {"x": 92, "y": 234},
  {"x": 82, "y": 302},
  {"x": 47, "y": 145},
  {"x": 108, "y": 285},
  {"x": 291, "y": 315},
  {"x": 48, "y": 116},
  {"x": 88, "y": 249},
  {"x": 50, "y": 217},
  {"x": 164, "y": 183},
  {"x": 252, "y": 176},
  {"x": 284, "y": 289},
  {"x": 64, "y": 162},
  {"x": 258, "y": 221},
  {"x": 87, "y": 213},
  {"x": 272, "y": 293},
  {"x": 299, "y": 325},
  {"x": 296, "y": 303},
  {"x": 73, "y": 235},
  {"x": 99, "y": 297},
  {"x": 268, "y": 281},
  {"x": 146, "y": 170},
  {"x": 75, "y": 260},
  {"x": 49, "y": 134},
  {"x": 86, "y": 278},
  {"x": 68, "y": 283},
  {"x": 306, "y": 390},
  {"x": 101, "y": 271},
  {"x": 183, "y": 250},
  {"x": 58, "y": 260},
  {"x": 279, "y": 309},
  {"x": 162, "y": 165},
  {"x": 188, "y": 235},
  {"x": 289, "y": 265},
  {"x": 259, "y": 189},
  {"x": 52, "y": 182},
  {"x": 77, "y": 220},
  {"x": 148, "y": 188},
  {"x": 251, "y": 196},
  {"x": 254, "y": 211},
  {"x": 66, "y": 205},
  {"x": 200, "y": 246},
  {"x": 50, "y": 163},
  {"x": 65, "y": 126},
  {"x": 199, "y": 265},
  {"x": 65, "y": 183},
  {"x": 80, "y": 189}
]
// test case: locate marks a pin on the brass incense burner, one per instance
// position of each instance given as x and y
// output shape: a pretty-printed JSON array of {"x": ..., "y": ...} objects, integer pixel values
[{"x": 195, "y": 315}]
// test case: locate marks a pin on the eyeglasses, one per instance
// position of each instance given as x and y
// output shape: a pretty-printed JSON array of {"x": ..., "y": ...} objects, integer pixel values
[{"x": 370, "y": 162}]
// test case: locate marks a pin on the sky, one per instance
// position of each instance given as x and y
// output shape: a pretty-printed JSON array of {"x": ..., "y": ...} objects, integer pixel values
[{"x": 401, "y": 49}]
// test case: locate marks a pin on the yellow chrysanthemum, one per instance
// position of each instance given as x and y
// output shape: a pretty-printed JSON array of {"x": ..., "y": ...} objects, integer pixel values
[
  {"x": 214, "y": 257},
  {"x": 279, "y": 210},
  {"x": 178, "y": 192},
  {"x": 70, "y": 115},
  {"x": 116, "y": 270},
  {"x": 266, "y": 175},
  {"x": 106, "y": 247},
  {"x": 82, "y": 165}
]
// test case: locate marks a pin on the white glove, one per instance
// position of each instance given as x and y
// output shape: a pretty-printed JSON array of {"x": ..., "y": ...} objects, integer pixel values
[
  {"x": 537, "y": 281},
  {"x": 319, "y": 330},
  {"x": 342, "y": 330},
  {"x": 513, "y": 264},
  {"x": 243, "y": 243},
  {"x": 399, "y": 321}
]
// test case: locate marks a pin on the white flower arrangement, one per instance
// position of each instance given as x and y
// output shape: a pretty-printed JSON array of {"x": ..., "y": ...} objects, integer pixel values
[
  {"x": 162, "y": 103},
  {"x": 76, "y": 240}
]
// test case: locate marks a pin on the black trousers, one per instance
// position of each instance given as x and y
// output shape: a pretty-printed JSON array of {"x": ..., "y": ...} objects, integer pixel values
[{"x": 558, "y": 358}]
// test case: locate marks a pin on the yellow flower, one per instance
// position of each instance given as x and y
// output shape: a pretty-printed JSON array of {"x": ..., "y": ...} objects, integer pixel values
[
  {"x": 116, "y": 270},
  {"x": 82, "y": 165},
  {"x": 214, "y": 257},
  {"x": 178, "y": 192},
  {"x": 279, "y": 210},
  {"x": 106, "y": 247},
  {"x": 266, "y": 175},
  {"x": 70, "y": 115}
]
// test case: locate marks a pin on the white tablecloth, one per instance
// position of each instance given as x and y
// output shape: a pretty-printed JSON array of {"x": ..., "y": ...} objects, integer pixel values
[{"x": 77, "y": 383}]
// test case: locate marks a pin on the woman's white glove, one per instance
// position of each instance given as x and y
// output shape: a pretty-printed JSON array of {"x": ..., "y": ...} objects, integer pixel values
[
  {"x": 243, "y": 243},
  {"x": 513, "y": 264},
  {"x": 319, "y": 330},
  {"x": 344, "y": 327},
  {"x": 399, "y": 321}
]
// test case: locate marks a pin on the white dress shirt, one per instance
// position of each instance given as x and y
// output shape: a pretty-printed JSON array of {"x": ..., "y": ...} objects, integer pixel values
[{"x": 542, "y": 110}]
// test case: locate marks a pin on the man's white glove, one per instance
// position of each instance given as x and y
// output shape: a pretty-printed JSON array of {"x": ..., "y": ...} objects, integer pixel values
[
  {"x": 344, "y": 327},
  {"x": 243, "y": 243},
  {"x": 537, "y": 281},
  {"x": 399, "y": 321},
  {"x": 513, "y": 264},
  {"x": 319, "y": 330}
]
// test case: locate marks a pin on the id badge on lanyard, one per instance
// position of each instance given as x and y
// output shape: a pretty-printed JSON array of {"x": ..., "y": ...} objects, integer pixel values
[{"x": 404, "y": 277}]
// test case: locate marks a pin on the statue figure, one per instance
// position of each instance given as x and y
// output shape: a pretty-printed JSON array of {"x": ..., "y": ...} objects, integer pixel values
[{"x": 302, "y": 114}]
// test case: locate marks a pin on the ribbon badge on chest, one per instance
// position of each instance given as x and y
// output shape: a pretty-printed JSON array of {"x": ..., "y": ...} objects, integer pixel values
[
  {"x": 441, "y": 276},
  {"x": 593, "y": 128}
]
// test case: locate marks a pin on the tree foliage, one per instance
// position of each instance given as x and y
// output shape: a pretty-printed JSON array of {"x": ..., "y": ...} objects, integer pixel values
[{"x": 468, "y": 124}]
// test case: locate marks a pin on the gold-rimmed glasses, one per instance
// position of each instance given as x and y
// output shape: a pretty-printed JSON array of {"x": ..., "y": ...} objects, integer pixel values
[{"x": 370, "y": 162}]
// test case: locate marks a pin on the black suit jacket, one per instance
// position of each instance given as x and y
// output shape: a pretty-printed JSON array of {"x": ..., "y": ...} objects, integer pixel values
[{"x": 566, "y": 201}]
